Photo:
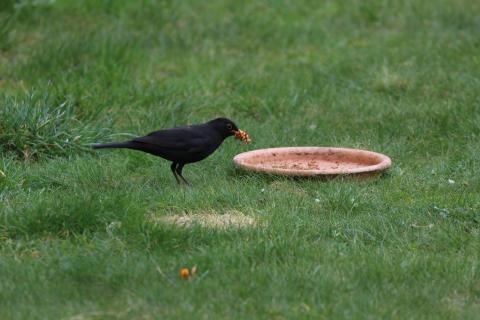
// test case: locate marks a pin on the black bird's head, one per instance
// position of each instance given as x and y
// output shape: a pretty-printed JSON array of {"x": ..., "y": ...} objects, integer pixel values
[{"x": 228, "y": 128}]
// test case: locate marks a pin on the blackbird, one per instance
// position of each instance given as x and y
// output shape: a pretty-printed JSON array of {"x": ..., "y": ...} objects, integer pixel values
[{"x": 183, "y": 145}]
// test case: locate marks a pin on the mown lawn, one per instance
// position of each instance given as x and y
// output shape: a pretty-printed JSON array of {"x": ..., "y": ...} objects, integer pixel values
[{"x": 79, "y": 230}]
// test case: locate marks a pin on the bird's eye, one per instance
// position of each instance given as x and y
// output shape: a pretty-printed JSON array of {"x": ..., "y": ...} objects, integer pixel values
[{"x": 229, "y": 126}]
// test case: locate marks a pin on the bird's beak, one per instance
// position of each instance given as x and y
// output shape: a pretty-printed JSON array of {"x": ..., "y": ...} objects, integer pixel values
[{"x": 242, "y": 135}]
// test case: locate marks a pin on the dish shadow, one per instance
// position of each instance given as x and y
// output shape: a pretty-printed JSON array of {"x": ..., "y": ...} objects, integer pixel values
[{"x": 236, "y": 172}]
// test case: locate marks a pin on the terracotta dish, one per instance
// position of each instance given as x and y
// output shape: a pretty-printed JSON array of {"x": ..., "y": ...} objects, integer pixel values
[{"x": 313, "y": 161}]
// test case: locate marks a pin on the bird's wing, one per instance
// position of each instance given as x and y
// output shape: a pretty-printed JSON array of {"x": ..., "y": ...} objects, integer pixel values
[{"x": 179, "y": 139}]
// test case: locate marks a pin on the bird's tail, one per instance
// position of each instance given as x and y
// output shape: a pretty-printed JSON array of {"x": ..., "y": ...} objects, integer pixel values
[{"x": 112, "y": 145}]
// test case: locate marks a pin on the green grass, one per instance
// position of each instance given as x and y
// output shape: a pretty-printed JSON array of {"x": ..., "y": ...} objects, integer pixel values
[{"x": 398, "y": 77}]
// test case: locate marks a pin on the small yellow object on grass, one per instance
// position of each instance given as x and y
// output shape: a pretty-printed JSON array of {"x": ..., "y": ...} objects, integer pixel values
[
  {"x": 186, "y": 274},
  {"x": 2, "y": 174}
]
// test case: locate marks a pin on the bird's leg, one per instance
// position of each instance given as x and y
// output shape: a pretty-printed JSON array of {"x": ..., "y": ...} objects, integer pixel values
[
  {"x": 179, "y": 172},
  {"x": 174, "y": 170}
]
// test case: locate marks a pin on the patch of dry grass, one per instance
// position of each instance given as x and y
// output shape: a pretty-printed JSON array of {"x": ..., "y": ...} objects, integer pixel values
[{"x": 209, "y": 219}]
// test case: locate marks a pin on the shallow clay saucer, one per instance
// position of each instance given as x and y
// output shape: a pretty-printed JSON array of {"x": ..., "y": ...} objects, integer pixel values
[{"x": 313, "y": 161}]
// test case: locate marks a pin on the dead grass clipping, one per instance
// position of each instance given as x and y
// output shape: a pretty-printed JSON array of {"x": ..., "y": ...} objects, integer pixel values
[{"x": 209, "y": 219}]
